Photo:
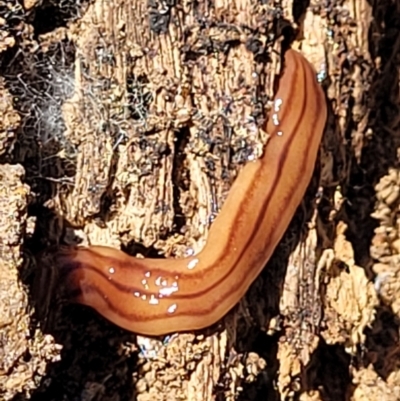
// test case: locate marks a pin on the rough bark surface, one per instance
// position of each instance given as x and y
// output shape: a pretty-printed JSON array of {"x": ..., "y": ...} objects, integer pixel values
[{"x": 121, "y": 123}]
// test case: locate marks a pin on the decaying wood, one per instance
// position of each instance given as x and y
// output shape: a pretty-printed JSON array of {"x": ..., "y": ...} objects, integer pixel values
[{"x": 123, "y": 124}]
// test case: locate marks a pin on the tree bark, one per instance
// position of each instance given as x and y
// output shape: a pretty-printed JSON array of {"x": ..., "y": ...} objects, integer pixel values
[{"x": 127, "y": 117}]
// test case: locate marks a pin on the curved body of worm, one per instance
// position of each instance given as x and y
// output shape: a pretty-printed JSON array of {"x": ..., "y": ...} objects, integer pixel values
[{"x": 160, "y": 296}]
